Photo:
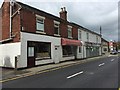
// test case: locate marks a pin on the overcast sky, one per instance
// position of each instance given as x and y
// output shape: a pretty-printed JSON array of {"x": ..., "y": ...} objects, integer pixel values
[{"x": 88, "y": 13}]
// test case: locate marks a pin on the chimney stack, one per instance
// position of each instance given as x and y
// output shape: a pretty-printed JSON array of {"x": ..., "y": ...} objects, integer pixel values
[{"x": 63, "y": 13}]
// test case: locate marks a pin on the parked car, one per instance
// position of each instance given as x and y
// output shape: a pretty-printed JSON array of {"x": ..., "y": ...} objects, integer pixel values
[
  {"x": 118, "y": 51},
  {"x": 113, "y": 52}
]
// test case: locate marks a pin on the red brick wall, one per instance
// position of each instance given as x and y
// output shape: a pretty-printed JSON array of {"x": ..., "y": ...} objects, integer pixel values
[
  {"x": 75, "y": 32},
  {"x": 63, "y": 30},
  {"x": 5, "y": 21},
  {"x": 49, "y": 26},
  {"x": 16, "y": 28},
  {"x": 28, "y": 20}
]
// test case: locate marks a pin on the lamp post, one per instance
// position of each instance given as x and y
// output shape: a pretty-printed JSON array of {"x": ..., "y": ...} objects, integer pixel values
[{"x": 101, "y": 38}]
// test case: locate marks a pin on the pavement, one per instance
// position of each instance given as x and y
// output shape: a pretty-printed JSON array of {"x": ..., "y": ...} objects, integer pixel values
[
  {"x": 10, "y": 74},
  {"x": 98, "y": 72}
]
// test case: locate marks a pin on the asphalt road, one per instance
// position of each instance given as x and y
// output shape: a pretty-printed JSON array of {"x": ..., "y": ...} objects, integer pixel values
[{"x": 101, "y": 73}]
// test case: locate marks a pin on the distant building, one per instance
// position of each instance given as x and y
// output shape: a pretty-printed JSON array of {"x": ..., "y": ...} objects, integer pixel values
[
  {"x": 105, "y": 46},
  {"x": 112, "y": 45}
]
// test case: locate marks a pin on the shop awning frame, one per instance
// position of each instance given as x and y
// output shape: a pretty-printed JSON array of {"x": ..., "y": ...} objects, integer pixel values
[{"x": 65, "y": 41}]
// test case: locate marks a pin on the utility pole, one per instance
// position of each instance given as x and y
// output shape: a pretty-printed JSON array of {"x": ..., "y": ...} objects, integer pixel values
[{"x": 101, "y": 38}]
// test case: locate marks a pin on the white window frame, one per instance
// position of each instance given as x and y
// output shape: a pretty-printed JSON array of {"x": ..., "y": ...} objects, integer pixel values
[
  {"x": 87, "y": 36},
  {"x": 79, "y": 34},
  {"x": 58, "y": 26},
  {"x": 42, "y": 18},
  {"x": 70, "y": 29},
  {"x": 97, "y": 39}
]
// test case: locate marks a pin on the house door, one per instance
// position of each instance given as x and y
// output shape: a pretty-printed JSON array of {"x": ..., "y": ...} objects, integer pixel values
[{"x": 31, "y": 55}]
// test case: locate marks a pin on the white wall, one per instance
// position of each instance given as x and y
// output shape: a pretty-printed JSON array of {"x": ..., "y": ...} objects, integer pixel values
[
  {"x": 56, "y": 55},
  {"x": 79, "y": 55},
  {"x": 92, "y": 38},
  {"x": 8, "y": 53}
]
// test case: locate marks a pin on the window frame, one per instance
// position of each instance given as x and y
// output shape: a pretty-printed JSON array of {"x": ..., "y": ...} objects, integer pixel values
[
  {"x": 69, "y": 29},
  {"x": 58, "y": 26},
  {"x": 87, "y": 35},
  {"x": 39, "y": 20},
  {"x": 79, "y": 34}
]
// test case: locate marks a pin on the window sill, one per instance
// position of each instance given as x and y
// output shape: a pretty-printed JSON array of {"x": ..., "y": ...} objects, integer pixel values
[
  {"x": 68, "y": 55},
  {"x": 44, "y": 58},
  {"x": 70, "y": 37},
  {"x": 57, "y": 35},
  {"x": 40, "y": 32}
]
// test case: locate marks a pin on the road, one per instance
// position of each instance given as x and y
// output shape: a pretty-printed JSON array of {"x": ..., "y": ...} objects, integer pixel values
[{"x": 101, "y": 73}]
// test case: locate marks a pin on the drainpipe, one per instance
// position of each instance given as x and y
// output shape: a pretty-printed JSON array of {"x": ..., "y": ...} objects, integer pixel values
[
  {"x": 12, "y": 2},
  {"x": 10, "y": 20}
]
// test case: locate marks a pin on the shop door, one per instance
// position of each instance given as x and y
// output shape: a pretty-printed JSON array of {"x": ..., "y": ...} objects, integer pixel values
[{"x": 31, "y": 55}]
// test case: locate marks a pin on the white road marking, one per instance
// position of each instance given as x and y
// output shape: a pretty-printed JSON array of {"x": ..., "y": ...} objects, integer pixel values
[
  {"x": 112, "y": 60},
  {"x": 74, "y": 75},
  {"x": 101, "y": 64}
]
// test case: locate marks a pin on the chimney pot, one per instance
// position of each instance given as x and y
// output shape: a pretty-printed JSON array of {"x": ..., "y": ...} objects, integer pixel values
[
  {"x": 61, "y": 9},
  {"x": 63, "y": 13},
  {"x": 64, "y": 8}
]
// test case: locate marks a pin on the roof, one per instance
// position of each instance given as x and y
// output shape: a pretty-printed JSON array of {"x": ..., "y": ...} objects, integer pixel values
[
  {"x": 104, "y": 40},
  {"x": 85, "y": 29}
]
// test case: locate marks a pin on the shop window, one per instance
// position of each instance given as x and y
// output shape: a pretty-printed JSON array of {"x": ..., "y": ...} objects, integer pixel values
[
  {"x": 67, "y": 51},
  {"x": 43, "y": 51},
  {"x": 105, "y": 49}
]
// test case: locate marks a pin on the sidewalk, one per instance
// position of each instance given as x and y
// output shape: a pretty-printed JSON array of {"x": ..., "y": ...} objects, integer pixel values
[{"x": 8, "y": 74}]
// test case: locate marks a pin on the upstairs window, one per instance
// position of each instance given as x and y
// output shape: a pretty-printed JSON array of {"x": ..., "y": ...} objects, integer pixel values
[
  {"x": 40, "y": 23},
  {"x": 56, "y": 28},
  {"x": 87, "y": 36},
  {"x": 79, "y": 34},
  {"x": 69, "y": 31},
  {"x": 96, "y": 39}
]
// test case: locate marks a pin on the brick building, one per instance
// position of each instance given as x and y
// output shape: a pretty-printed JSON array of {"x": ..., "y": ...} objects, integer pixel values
[{"x": 36, "y": 37}]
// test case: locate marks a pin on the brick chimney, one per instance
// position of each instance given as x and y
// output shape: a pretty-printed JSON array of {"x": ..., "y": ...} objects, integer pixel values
[{"x": 63, "y": 13}]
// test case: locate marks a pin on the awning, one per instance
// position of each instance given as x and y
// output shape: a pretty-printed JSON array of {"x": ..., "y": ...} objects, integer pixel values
[{"x": 65, "y": 41}]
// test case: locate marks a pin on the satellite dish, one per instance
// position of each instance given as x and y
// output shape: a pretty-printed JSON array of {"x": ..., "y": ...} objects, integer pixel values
[{"x": 12, "y": 2}]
